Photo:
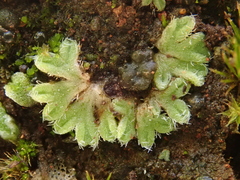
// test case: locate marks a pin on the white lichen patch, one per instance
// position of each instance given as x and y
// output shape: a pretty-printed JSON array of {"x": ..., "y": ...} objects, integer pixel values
[{"x": 55, "y": 171}]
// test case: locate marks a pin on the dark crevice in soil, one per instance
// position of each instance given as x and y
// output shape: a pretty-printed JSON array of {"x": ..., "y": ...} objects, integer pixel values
[{"x": 232, "y": 152}]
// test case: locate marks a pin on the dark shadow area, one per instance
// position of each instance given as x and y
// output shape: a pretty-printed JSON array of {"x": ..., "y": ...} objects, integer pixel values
[{"x": 232, "y": 153}]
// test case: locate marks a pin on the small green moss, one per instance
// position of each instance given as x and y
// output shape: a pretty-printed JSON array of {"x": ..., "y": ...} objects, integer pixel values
[
  {"x": 26, "y": 149},
  {"x": 114, "y": 3},
  {"x": 185, "y": 153},
  {"x": 102, "y": 65},
  {"x": 91, "y": 57},
  {"x": 3, "y": 56},
  {"x": 54, "y": 42},
  {"x": 164, "y": 155},
  {"x": 17, "y": 165},
  {"x": 24, "y": 19},
  {"x": 86, "y": 65},
  {"x": 160, "y": 4},
  {"x": 91, "y": 177}
]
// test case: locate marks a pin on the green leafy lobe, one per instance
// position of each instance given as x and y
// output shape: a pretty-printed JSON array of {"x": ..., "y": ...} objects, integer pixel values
[
  {"x": 160, "y": 4},
  {"x": 8, "y": 129},
  {"x": 182, "y": 53},
  {"x": 18, "y": 90}
]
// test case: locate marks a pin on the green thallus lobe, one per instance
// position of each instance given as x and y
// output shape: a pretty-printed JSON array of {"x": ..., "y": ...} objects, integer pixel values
[
  {"x": 8, "y": 129},
  {"x": 75, "y": 103}
]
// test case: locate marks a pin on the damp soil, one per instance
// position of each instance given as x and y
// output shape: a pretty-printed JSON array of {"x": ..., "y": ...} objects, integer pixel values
[{"x": 109, "y": 32}]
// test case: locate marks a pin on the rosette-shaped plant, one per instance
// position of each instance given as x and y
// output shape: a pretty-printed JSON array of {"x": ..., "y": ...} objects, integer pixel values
[{"x": 76, "y": 103}]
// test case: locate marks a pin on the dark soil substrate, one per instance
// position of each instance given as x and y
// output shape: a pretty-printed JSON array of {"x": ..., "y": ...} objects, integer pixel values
[{"x": 198, "y": 150}]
